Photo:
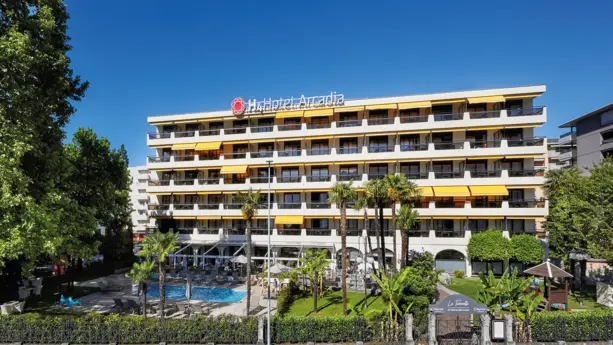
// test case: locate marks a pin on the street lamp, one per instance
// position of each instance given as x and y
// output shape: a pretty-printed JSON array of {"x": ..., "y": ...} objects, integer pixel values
[{"x": 268, "y": 258}]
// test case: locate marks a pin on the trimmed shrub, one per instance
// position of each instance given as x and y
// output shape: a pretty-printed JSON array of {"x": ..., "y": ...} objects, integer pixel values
[
  {"x": 489, "y": 245},
  {"x": 458, "y": 273},
  {"x": 527, "y": 249},
  {"x": 576, "y": 326},
  {"x": 285, "y": 300}
]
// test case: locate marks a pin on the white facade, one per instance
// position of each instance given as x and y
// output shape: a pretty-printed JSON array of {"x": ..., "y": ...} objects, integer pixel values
[
  {"x": 479, "y": 144},
  {"x": 139, "y": 198}
]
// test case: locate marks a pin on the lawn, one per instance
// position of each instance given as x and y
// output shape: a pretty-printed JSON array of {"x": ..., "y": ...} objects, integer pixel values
[
  {"x": 331, "y": 304},
  {"x": 468, "y": 287}
]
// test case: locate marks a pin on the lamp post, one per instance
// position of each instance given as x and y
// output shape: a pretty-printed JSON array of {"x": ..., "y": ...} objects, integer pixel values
[
  {"x": 268, "y": 258},
  {"x": 364, "y": 260}
]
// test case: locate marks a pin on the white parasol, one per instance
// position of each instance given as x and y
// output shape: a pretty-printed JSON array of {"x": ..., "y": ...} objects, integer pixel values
[{"x": 241, "y": 259}]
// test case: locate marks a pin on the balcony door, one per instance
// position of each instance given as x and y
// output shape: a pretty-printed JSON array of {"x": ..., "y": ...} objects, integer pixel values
[{"x": 319, "y": 174}]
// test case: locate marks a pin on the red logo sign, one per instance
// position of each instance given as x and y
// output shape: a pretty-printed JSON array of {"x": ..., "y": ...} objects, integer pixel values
[{"x": 238, "y": 106}]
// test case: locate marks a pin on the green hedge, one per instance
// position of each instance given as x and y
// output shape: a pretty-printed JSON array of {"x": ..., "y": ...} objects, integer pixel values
[
  {"x": 575, "y": 326},
  {"x": 284, "y": 301}
]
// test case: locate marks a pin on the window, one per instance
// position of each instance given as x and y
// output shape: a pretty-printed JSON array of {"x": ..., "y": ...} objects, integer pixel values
[
  {"x": 264, "y": 199},
  {"x": 606, "y": 118},
  {"x": 442, "y": 167},
  {"x": 352, "y": 224},
  {"x": 409, "y": 168},
  {"x": 215, "y": 199},
  {"x": 320, "y": 122},
  {"x": 192, "y": 127},
  {"x": 189, "y": 223},
  {"x": 215, "y": 125},
  {"x": 409, "y": 113},
  {"x": 607, "y": 137},
  {"x": 442, "y": 109},
  {"x": 290, "y": 172},
  {"x": 319, "y": 147},
  {"x": 292, "y": 148},
  {"x": 319, "y": 198},
  {"x": 514, "y": 104},
  {"x": 378, "y": 144},
  {"x": 263, "y": 172},
  {"x": 349, "y": 116},
  {"x": 477, "y": 225},
  {"x": 377, "y": 170},
  {"x": 348, "y": 170},
  {"x": 191, "y": 199},
  {"x": 239, "y": 224},
  {"x": 477, "y": 166},
  {"x": 514, "y": 165},
  {"x": 240, "y": 124},
  {"x": 320, "y": 223},
  {"x": 516, "y": 194},
  {"x": 442, "y": 137},
  {"x": 265, "y": 147},
  {"x": 378, "y": 114},
  {"x": 516, "y": 225},
  {"x": 266, "y": 122},
  {"x": 513, "y": 133},
  {"x": 214, "y": 174},
  {"x": 319, "y": 173},
  {"x": 291, "y": 198},
  {"x": 349, "y": 145},
  {"x": 372, "y": 225},
  {"x": 475, "y": 108},
  {"x": 443, "y": 224},
  {"x": 409, "y": 139}
]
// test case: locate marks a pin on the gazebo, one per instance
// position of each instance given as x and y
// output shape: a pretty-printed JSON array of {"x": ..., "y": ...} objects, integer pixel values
[{"x": 554, "y": 293}]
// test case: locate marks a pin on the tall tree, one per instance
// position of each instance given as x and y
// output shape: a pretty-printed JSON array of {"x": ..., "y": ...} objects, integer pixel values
[
  {"x": 140, "y": 273},
  {"x": 342, "y": 194},
  {"x": 405, "y": 219},
  {"x": 158, "y": 246},
  {"x": 314, "y": 264},
  {"x": 251, "y": 203},
  {"x": 361, "y": 204},
  {"x": 377, "y": 191}
]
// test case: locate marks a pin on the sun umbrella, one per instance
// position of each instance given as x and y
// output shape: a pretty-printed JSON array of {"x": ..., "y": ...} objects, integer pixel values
[
  {"x": 369, "y": 266},
  {"x": 241, "y": 259},
  {"x": 279, "y": 268}
]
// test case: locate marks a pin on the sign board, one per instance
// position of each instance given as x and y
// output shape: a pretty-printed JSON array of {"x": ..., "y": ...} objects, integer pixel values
[
  {"x": 239, "y": 106},
  {"x": 458, "y": 304}
]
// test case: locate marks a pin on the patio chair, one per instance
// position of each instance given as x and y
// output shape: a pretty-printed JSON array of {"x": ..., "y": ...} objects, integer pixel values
[
  {"x": 134, "y": 307},
  {"x": 119, "y": 304},
  {"x": 198, "y": 309}
]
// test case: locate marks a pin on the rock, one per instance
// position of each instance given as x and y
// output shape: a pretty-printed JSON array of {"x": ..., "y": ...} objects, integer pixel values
[{"x": 444, "y": 278}]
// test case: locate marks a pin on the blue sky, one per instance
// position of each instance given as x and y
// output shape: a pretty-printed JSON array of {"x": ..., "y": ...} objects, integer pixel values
[{"x": 153, "y": 57}]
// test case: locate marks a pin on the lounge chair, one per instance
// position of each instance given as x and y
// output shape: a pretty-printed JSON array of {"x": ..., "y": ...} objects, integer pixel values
[
  {"x": 119, "y": 304},
  {"x": 132, "y": 305},
  {"x": 198, "y": 309},
  {"x": 73, "y": 302}
]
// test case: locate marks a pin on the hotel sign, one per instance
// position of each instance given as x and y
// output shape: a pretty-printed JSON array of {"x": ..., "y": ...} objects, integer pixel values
[
  {"x": 458, "y": 304},
  {"x": 286, "y": 104}
]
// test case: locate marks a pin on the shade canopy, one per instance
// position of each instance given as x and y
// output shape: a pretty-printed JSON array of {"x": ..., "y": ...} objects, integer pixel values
[
  {"x": 241, "y": 259},
  {"x": 549, "y": 270},
  {"x": 278, "y": 268}
]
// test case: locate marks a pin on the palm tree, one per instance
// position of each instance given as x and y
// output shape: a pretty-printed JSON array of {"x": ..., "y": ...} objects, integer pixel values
[
  {"x": 140, "y": 273},
  {"x": 405, "y": 219},
  {"x": 393, "y": 288},
  {"x": 343, "y": 193},
  {"x": 396, "y": 186},
  {"x": 251, "y": 203},
  {"x": 314, "y": 264},
  {"x": 159, "y": 245},
  {"x": 376, "y": 191}
]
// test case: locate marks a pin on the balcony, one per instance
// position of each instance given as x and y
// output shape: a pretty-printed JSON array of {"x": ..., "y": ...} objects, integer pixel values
[
  {"x": 416, "y": 176},
  {"x": 289, "y": 179},
  {"x": 159, "y": 183},
  {"x": 414, "y": 147},
  {"x": 262, "y": 154},
  {"x": 289, "y": 232},
  {"x": 413, "y": 119},
  {"x": 458, "y": 145},
  {"x": 380, "y": 148},
  {"x": 449, "y": 117},
  {"x": 159, "y": 207},
  {"x": 289, "y": 205},
  {"x": 318, "y": 125},
  {"x": 449, "y": 204},
  {"x": 445, "y": 232},
  {"x": 238, "y": 130},
  {"x": 318, "y": 232},
  {"x": 525, "y": 112},
  {"x": 516, "y": 142},
  {"x": 262, "y": 129},
  {"x": 485, "y": 173},
  {"x": 163, "y": 135},
  {"x": 319, "y": 178},
  {"x": 349, "y": 177},
  {"x": 318, "y": 205},
  {"x": 348, "y": 150},
  {"x": 348, "y": 123},
  {"x": 156, "y": 159},
  {"x": 184, "y": 158},
  {"x": 386, "y": 232},
  {"x": 260, "y": 179},
  {"x": 290, "y": 127},
  {"x": 381, "y": 121},
  {"x": 318, "y": 152},
  {"x": 185, "y": 231},
  {"x": 207, "y": 231},
  {"x": 526, "y": 203},
  {"x": 353, "y": 232},
  {"x": 525, "y": 173},
  {"x": 208, "y": 132},
  {"x": 418, "y": 232},
  {"x": 448, "y": 174},
  {"x": 208, "y": 206},
  {"x": 485, "y": 114},
  {"x": 232, "y": 206},
  {"x": 187, "y": 134},
  {"x": 486, "y": 204},
  {"x": 185, "y": 182},
  {"x": 290, "y": 153},
  {"x": 209, "y": 180},
  {"x": 234, "y": 231},
  {"x": 235, "y": 155},
  {"x": 375, "y": 176},
  {"x": 183, "y": 207},
  {"x": 260, "y": 231},
  {"x": 482, "y": 144},
  {"x": 236, "y": 180}
]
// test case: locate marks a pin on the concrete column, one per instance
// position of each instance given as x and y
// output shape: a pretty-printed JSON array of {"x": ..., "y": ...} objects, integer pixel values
[
  {"x": 260, "y": 330},
  {"x": 485, "y": 330},
  {"x": 508, "y": 329},
  {"x": 408, "y": 329},
  {"x": 431, "y": 329}
]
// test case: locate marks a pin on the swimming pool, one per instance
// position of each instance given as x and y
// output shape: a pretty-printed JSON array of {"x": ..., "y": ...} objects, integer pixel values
[{"x": 198, "y": 293}]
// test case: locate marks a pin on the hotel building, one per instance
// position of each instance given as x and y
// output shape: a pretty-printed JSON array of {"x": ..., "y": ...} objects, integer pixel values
[
  {"x": 139, "y": 199},
  {"x": 472, "y": 154}
]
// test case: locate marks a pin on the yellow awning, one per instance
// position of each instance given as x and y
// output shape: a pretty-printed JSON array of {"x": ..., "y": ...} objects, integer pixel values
[
  {"x": 183, "y": 193},
  {"x": 181, "y": 169},
  {"x": 415, "y": 132},
  {"x": 426, "y": 191},
  {"x": 318, "y": 112},
  {"x": 319, "y": 217},
  {"x": 178, "y": 217},
  {"x": 236, "y": 142},
  {"x": 489, "y": 190},
  {"x": 290, "y": 114},
  {"x": 289, "y": 165},
  {"x": 287, "y": 191},
  {"x": 289, "y": 139},
  {"x": 316, "y": 138},
  {"x": 209, "y": 218},
  {"x": 449, "y": 130},
  {"x": 485, "y": 157},
  {"x": 261, "y": 141},
  {"x": 448, "y": 159},
  {"x": 527, "y": 218},
  {"x": 485, "y": 217},
  {"x": 348, "y": 109},
  {"x": 380, "y": 134},
  {"x": 448, "y": 101},
  {"x": 350, "y": 163},
  {"x": 451, "y": 191},
  {"x": 526, "y": 187},
  {"x": 186, "y": 121},
  {"x": 377, "y": 162},
  {"x": 448, "y": 217},
  {"x": 526, "y": 95},
  {"x": 382, "y": 106},
  {"x": 209, "y": 193},
  {"x": 211, "y": 119},
  {"x": 289, "y": 220},
  {"x": 160, "y": 146},
  {"x": 234, "y": 169},
  {"x": 316, "y": 190},
  {"x": 484, "y": 128},
  {"x": 215, "y": 145},
  {"x": 232, "y": 217},
  {"x": 413, "y": 105},
  {"x": 524, "y": 156},
  {"x": 162, "y": 123},
  {"x": 487, "y": 99},
  {"x": 156, "y": 194},
  {"x": 176, "y": 147},
  {"x": 262, "y": 115}
]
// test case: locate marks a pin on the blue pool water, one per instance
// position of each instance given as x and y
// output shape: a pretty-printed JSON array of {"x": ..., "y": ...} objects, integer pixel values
[{"x": 198, "y": 293}]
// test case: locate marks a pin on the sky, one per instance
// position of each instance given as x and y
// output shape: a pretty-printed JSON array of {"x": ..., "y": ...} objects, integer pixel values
[{"x": 145, "y": 58}]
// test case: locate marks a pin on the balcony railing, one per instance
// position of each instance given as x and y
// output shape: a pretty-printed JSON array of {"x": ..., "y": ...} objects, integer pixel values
[
  {"x": 184, "y": 158},
  {"x": 260, "y": 179},
  {"x": 482, "y": 144},
  {"x": 234, "y": 231},
  {"x": 486, "y": 173},
  {"x": 209, "y": 180},
  {"x": 238, "y": 130},
  {"x": 485, "y": 114},
  {"x": 515, "y": 142},
  {"x": 448, "y": 117},
  {"x": 418, "y": 232},
  {"x": 262, "y": 129},
  {"x": 208, "y": 132},
  {"x": 289, "y": 179},
  {"x": 260, "y": 231},
  {"x": 159, "y": 182},
  {"x": 318, "y": 205},
  {"x": 523, "y": 173},
  {"x": 375, "y": 176},
  {"x": 289, "y": 205},
  {"x": 183, "y": 207},
  {"x": 159, "y": 207},
  {"x": 318, "y": 232},
  {"x": 156, "y": 159},
  {"x": 348, "y": 123},
  {"x": 163, "y": 135},
  {"x": 261, "y": 154},
  {"x": 416, "y": 175},
  {"x": 381, "y": 121},
  {"x": 449, "y": 145},
  {"x": 449, "y": 174},
  {"x": 352, "y": 232},
  {"x": 290, "y": 127},
  {"x": 448, "y": 204},
  {"x": 449, "y": 233},
  {"x": 486, "y": 204},
  {"x": 349, "y": 177},
  {"x": 526, "y": 203},
  {"x": 413, "y": 119},
  {"x": 289, "y": 232},
  {"x": 187, "y": 134},
  {"x": 318, "y": 152},
  {"x": 380, "y": 148},
  {"x": 235, "y": 155},
  {"x": 236, "y": 180},
  {"x": 208, "y": 206},
  {"x": 208, "y": 231},
  {"x": 232, "y": 206},
  {"x": 386, "y": 232},
  {"x": 318, "y": 125},
  {"x": 348, "y": 150},
  {"x": 185, "y": 231},
  {"x": 208, "y": 157},
  {"x": 525, "y": 112},
  {"x": 319, "y": 178},
  {"x": 290, "y": 153},
  {"x": 414, "y": 147}
]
